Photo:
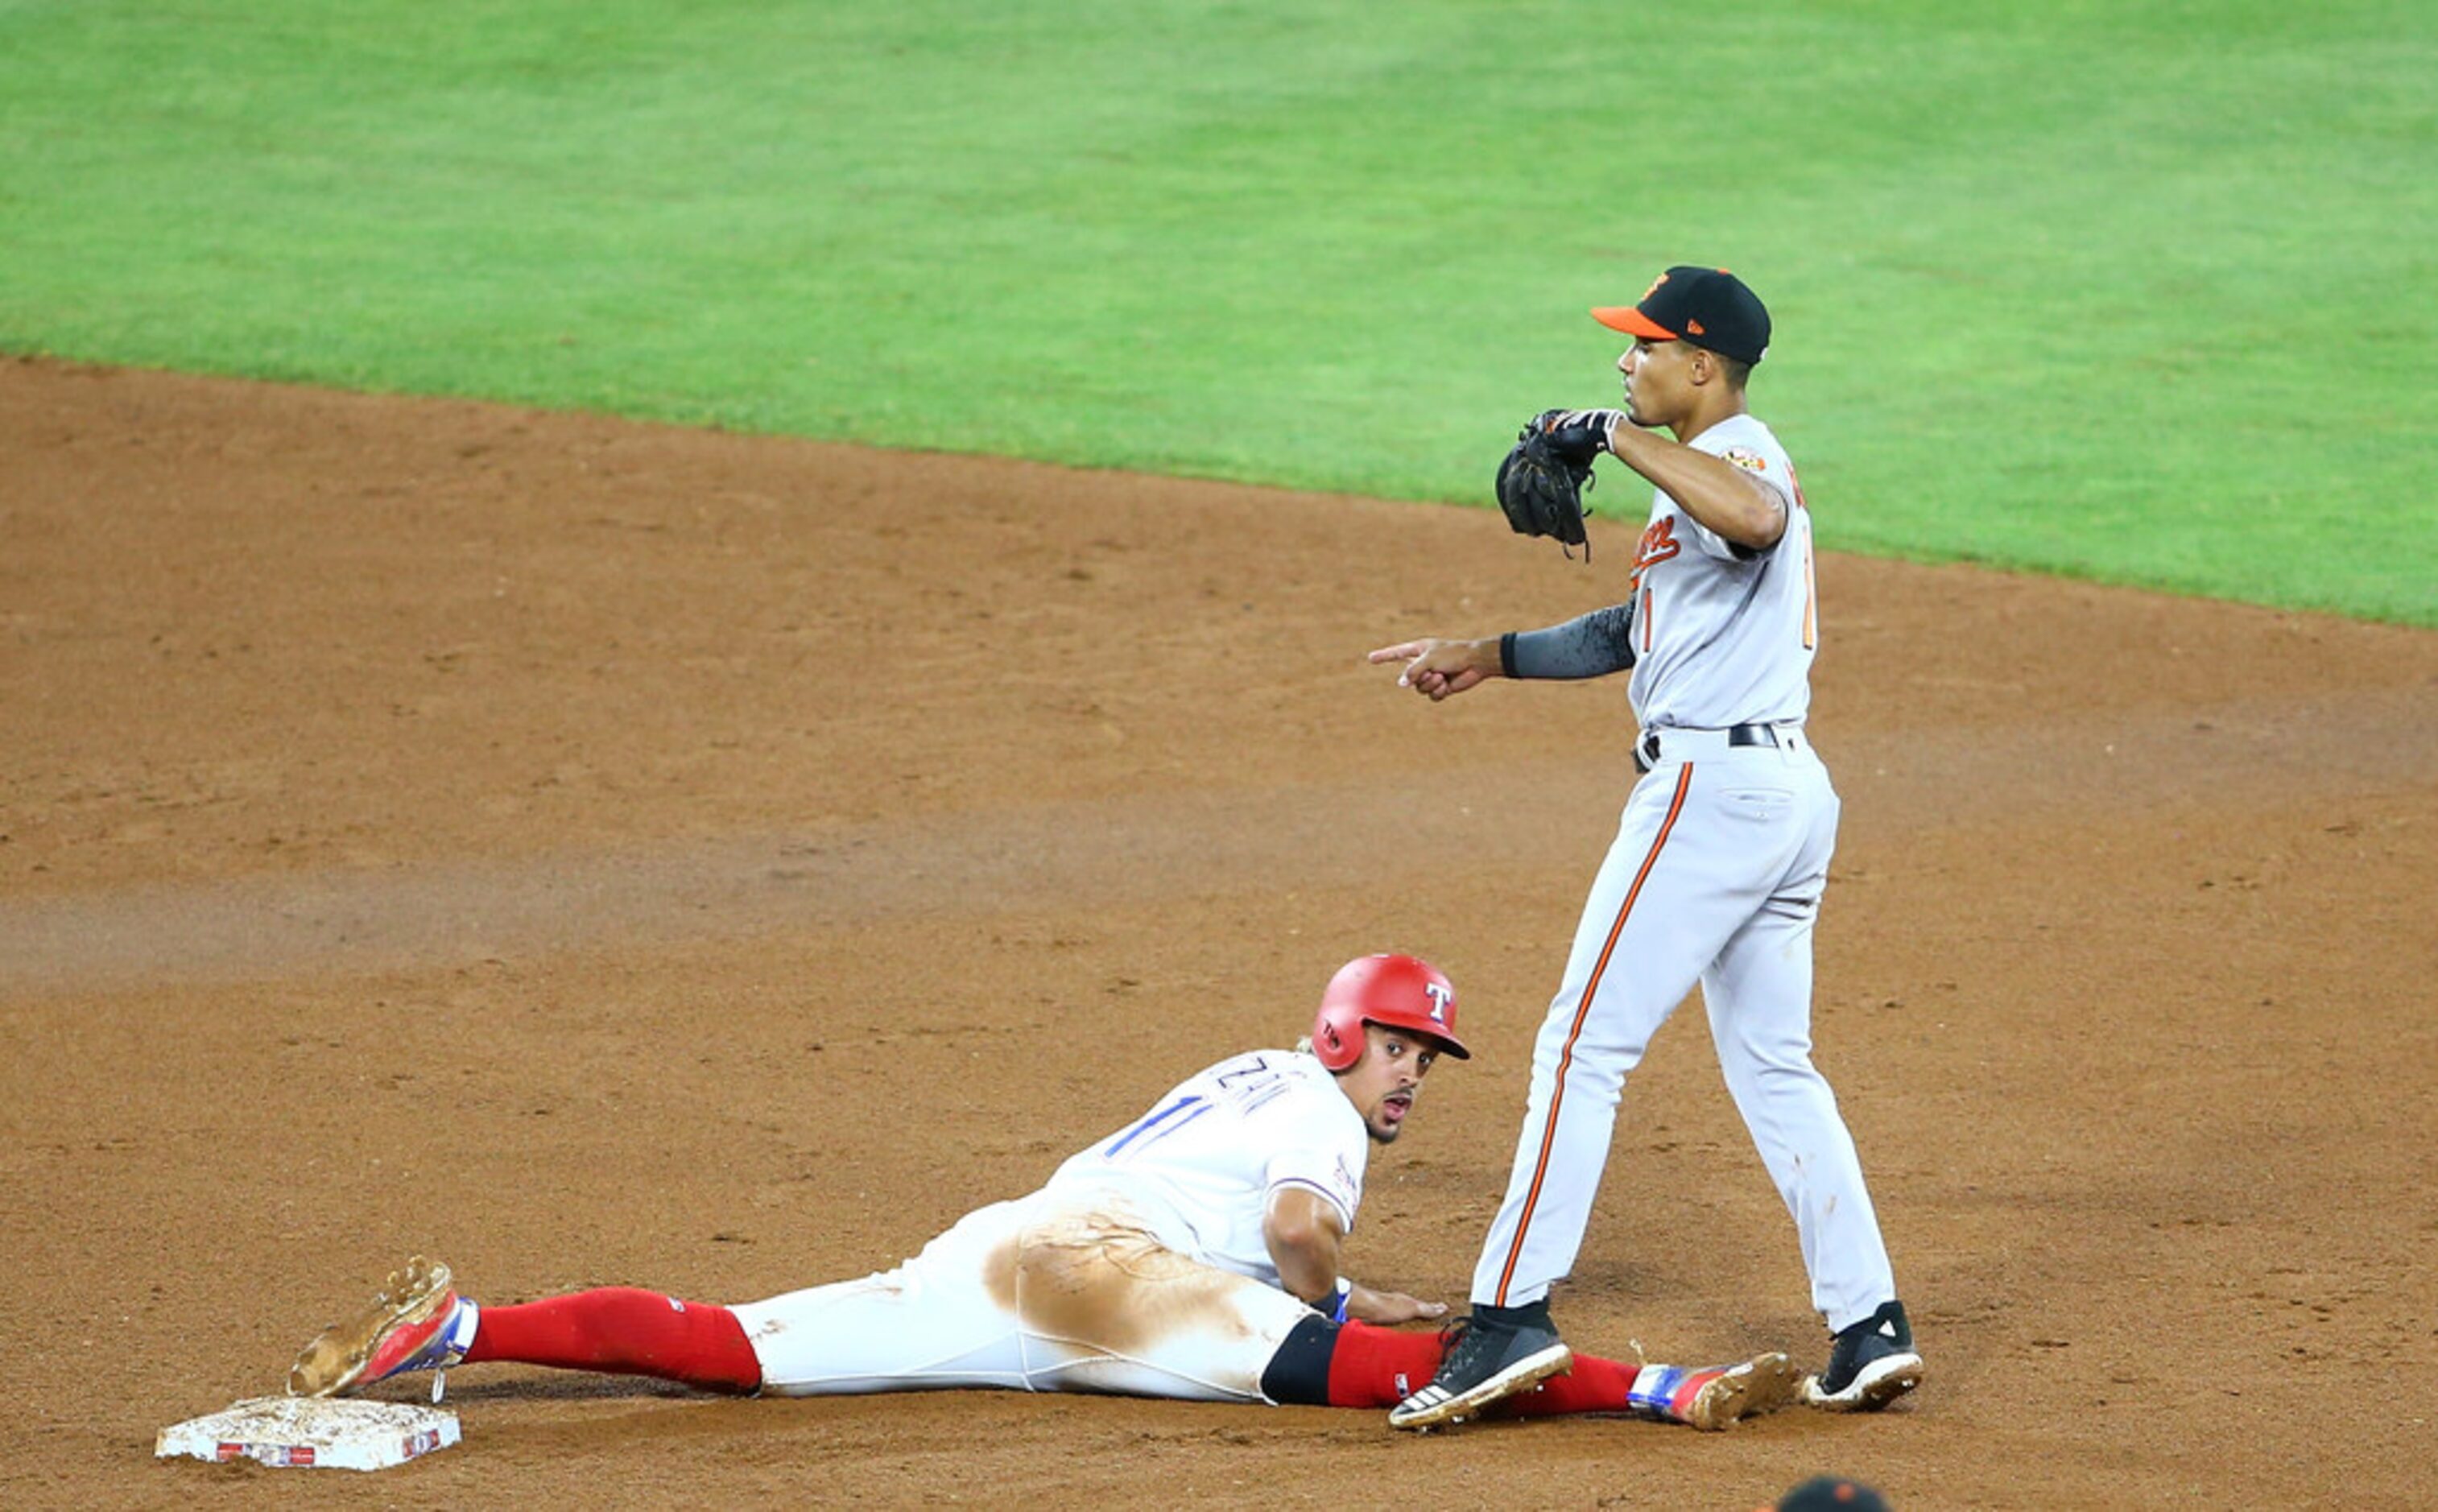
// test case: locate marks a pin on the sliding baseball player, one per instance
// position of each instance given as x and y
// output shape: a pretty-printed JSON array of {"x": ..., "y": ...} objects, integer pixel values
[{"x": 1194, "y": 1253}]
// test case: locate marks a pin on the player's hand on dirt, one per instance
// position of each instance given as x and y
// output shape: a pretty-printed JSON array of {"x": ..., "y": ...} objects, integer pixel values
[
  {"x": 1366, "y": 1306},
  {"x": 1436, "y": 669}
]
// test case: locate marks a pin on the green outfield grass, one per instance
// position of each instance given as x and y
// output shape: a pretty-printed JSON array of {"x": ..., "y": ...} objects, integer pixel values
[{"x": 2141, "y": 290}]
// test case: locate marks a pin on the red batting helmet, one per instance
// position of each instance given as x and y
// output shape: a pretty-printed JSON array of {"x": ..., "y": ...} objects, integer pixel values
[{"x": 1396, "y": 992}]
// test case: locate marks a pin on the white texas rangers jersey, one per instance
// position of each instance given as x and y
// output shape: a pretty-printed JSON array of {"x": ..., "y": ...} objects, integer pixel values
[
  {"x": 1721, "y": 638},
  {"x": 1199, "y": 1167}
]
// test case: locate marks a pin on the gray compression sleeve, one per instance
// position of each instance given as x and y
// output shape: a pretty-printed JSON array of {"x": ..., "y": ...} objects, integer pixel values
[{"x": 1593, "y": 646}]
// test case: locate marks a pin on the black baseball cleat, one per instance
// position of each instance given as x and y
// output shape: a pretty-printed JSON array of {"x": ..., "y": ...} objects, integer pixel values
[
  {"x": 1871, "y": 1365},
  {"x": 1500, "y": 1352}
]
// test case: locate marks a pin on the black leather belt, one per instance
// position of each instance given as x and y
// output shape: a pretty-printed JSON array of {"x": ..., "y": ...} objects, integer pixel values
[{"x": 1646, "y": 755}]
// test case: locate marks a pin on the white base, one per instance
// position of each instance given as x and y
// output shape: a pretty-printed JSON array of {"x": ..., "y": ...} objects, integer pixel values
[{"x": 320, "y": 1432}]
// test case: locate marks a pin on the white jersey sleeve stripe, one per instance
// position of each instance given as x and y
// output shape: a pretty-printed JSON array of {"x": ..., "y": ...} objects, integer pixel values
[
  {"x": 1153, "y": 1121},
  {"x": 1174, "y": 1126}
]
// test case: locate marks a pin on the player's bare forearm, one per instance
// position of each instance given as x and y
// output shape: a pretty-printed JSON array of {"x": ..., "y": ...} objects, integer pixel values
[
  {"x": 1438, "y": 669},
  {"x": 1713, "y": 490},
  {"x": 1303, "y": 1233}
]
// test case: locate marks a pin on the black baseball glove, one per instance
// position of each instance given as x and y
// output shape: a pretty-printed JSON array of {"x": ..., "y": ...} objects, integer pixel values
[{"x": 1541, "y": 482}]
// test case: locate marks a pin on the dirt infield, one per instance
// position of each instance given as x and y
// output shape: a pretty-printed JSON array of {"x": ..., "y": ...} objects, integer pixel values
[{"x": 598, "y": 854}]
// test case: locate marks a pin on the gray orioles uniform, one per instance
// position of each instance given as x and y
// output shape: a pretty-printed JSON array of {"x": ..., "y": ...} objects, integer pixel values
[{"x": 1715, "y": 876}]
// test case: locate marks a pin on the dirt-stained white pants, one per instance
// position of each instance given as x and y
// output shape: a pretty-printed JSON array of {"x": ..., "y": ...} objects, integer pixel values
[
  {"x": 1049, "y": 1293},
  {"x": 1715, "y": 876}
]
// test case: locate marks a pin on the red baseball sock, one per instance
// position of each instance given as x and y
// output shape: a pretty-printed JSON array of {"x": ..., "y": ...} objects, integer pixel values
[
  {"x": 1594, "y": 1385},
  {"x": 625, "y": 1332},
  {"x": 1380, "y": 1367}
]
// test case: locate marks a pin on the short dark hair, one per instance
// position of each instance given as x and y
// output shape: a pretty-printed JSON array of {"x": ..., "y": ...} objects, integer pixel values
[{"x": 1738, "y": 371}]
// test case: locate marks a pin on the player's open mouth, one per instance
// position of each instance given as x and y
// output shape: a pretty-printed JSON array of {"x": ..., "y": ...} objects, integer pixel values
[{"x": 1396, "y": 1105}]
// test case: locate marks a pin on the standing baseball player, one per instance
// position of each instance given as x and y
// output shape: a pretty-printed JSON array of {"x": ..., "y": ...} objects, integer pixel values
[
  {"x": 1716, "y": 872},
  {"x": 1192, "y": 1254}
]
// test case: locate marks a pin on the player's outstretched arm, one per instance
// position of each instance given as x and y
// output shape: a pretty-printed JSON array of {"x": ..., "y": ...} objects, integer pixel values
[
  {"x": 1439, "y": 669},
  {"x": 1589, "y": 645}
]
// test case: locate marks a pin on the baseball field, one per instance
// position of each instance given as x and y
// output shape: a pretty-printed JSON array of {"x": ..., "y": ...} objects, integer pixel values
[{"x": 667, "y": 646}]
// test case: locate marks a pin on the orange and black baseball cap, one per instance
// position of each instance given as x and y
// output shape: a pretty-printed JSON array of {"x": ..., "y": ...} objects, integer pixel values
[{"x": 1708, "y": 307}]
